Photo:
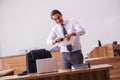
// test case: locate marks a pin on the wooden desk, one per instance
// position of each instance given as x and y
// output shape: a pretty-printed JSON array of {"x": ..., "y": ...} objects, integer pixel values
[
  {"x": 114, "y": 61},
  {"x": 7, "y": 72},
  {"x": 96, "y": 72}
]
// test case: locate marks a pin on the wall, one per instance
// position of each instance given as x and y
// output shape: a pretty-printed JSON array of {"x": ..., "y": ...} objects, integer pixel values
[{"x": 25, "y": 24}]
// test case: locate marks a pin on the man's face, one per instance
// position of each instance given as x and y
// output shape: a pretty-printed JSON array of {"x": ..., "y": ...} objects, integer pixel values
[{"x": 57, "y": 18}]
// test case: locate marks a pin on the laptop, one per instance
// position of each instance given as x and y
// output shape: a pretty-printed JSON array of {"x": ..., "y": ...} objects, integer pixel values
[{"x": 46, "y": 65}]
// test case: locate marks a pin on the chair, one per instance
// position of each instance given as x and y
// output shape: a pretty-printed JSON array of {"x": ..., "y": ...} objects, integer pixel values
[{"x": 31, "y": 58}]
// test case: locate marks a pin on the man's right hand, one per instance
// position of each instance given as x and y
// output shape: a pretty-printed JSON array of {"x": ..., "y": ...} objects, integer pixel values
[{"x": 57, "y": 40}]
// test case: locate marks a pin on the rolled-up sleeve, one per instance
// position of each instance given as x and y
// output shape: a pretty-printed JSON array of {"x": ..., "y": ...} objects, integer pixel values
[
  {"x": 79, "y": 30},
  {"x": 51, "y": 37}
]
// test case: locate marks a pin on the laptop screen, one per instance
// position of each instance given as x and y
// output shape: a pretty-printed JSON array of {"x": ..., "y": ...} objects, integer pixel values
[{"x": 46, "y": 65}]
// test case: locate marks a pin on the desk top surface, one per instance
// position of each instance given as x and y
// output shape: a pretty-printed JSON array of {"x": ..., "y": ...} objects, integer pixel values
[
  {"x": 103, "y": 58},
  {"x": 60, "y": 72}
]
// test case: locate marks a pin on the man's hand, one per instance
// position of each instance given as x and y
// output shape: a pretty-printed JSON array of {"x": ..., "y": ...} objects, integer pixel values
[
  {"x": 68, "y": 36},
  {"x": 57, "y": 40}
]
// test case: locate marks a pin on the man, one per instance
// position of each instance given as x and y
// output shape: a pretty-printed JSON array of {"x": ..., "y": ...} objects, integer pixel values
[{"x": 66, "y": 30}]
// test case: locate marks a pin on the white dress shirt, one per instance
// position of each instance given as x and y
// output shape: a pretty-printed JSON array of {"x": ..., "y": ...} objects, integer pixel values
[{"x": 70, "y": 26}]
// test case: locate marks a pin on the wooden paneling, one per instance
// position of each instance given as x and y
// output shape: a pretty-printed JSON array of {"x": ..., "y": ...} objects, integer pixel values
[
  {"x": 103, "y": 51},
  {"x": 56, "y": 54},
  {"x": 115, "y": 61},
  {"x": 19, "y": 62},
  {"x": 16, "y": 62},
  {"x": 0, "y": 64},
  {"x": 105, "y": 54}
]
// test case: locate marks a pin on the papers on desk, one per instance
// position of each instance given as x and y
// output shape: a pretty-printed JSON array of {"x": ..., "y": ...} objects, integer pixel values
[
  {"x": 81, "y": 66},
  {"x": 65, "y": 42}
]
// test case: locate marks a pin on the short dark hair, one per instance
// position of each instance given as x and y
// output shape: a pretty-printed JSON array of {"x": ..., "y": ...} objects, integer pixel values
[{"x": 55, "y": 12}]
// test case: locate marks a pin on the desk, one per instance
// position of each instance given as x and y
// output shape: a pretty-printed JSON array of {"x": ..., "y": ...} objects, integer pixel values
[
  {"x": 96, "y": 72},
  {"x": 114, "y": 61},
  {"x": 7, "y": 72}
]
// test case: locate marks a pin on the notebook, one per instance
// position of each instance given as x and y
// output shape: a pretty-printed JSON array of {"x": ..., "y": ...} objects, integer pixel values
[{"x": 46, "y": 65}]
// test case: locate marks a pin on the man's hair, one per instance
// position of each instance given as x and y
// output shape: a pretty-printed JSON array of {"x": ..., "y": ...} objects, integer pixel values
[{"x": 55, "y": 12}]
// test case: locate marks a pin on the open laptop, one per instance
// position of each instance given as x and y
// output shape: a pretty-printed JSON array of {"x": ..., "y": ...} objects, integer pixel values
[{"x": 46, "y": 65}]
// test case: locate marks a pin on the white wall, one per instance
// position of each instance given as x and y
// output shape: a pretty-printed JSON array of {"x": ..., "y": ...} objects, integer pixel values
[{"x": 25, "y": 24}]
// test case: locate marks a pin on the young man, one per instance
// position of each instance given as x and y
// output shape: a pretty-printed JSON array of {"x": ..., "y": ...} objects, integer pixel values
[{"x": 66, "y": 30}]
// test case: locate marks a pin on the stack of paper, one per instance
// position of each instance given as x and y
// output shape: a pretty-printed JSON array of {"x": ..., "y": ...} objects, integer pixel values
[
  {"x": 65, "y": 42},
  {"x": 81, "y": 66}
]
